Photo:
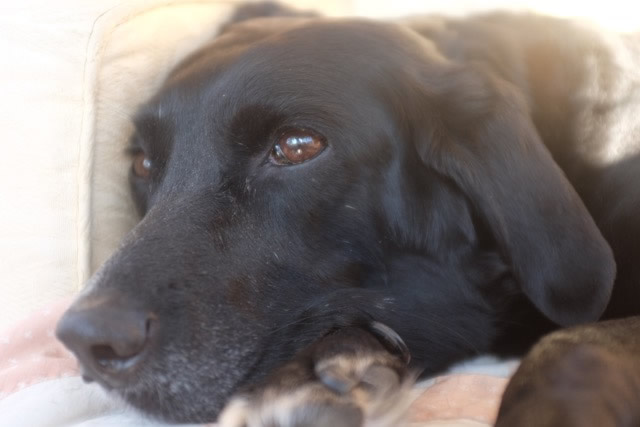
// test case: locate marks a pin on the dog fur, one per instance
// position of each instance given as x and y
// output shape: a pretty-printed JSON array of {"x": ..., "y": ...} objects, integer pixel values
[{"x": 478, "y": 189}]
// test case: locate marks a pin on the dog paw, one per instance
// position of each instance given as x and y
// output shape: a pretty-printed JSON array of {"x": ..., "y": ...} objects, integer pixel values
[
  {"x": 568, "y": 382},
  {"x": 362, "y": 385}
]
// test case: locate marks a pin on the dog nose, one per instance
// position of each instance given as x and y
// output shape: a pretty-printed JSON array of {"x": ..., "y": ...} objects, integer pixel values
[{"x": 108, "y": 339}]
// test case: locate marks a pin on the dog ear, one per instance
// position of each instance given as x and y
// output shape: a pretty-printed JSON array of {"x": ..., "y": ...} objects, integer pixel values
[{"x": 480, "y": 135}]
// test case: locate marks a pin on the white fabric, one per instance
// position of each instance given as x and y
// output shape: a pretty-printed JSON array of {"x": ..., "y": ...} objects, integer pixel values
[{"x": 69, "y": 402}]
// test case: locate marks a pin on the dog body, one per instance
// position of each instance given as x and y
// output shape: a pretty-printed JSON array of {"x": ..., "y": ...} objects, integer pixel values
[{"x": 311, "y": 187}]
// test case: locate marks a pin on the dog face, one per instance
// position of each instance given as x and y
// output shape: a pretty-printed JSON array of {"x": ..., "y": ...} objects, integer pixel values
[{"x": 288, "y": 175}]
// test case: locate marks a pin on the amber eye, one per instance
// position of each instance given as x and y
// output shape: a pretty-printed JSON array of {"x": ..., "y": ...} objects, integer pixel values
[
  {"x": 142, "y": 165},
  {"x": 297, "y": 146}
]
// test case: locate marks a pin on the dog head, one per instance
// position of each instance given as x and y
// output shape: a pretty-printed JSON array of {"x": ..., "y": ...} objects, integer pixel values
[{"x": 280, "y": 170}]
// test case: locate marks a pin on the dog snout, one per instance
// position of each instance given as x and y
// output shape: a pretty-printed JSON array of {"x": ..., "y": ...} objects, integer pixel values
[{"x": 108, "y": 338}]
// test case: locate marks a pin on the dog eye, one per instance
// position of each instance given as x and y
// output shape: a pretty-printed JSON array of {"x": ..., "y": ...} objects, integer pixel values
[
  {"x": 142, "y": 165},
  {"x": 297, "y": 146}
]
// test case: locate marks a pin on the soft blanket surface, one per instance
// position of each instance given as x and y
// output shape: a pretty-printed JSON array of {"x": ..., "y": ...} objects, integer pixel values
[{"x": 40, "y": 385}]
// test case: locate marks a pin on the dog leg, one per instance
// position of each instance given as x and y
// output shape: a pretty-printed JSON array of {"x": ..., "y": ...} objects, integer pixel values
[
  {"x": 348, "y": 378},
  {"x": 587, "y": 376}
]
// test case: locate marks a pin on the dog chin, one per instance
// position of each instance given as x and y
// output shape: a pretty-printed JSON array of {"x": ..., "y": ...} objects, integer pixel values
[
  {"x": 182, "y": 390},
  {"x": 176, "y": 401}
]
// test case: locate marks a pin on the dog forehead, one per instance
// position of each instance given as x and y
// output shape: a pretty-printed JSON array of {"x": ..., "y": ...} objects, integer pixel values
[
  {"x": 295, "y": 51},
  {"x": 335, "y": 37},
  {"x": 332, "y": 48},
  {"x": 309, "y": 63}
]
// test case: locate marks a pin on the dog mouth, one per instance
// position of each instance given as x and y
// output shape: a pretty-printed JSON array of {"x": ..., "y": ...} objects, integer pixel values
[
  {"x": 110, "y": 362},
  {"x": 189, "y": 387},
  {"x": 109, "y": 369}
]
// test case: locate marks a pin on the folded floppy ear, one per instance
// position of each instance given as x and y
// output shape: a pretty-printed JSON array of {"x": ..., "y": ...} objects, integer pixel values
[{"x": 480, "y": 135}]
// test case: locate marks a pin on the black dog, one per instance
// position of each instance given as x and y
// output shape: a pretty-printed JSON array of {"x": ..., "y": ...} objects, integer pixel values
[{"x": 311, "y": 187}]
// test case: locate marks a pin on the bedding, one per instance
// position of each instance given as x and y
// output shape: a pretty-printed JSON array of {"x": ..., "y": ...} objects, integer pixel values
[{"x": 40, "y": 385}]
